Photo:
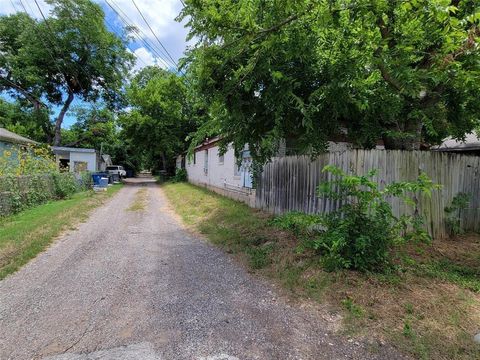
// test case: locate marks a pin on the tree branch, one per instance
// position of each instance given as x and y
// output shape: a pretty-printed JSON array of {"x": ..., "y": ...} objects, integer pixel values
[{"x": 36, "y": 103}]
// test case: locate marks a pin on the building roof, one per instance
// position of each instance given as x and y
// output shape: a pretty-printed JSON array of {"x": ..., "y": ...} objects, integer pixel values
[
  {"x": 107, "y": 159},
  {"x": 472, "y": 142},
  {"x": 8, "y": 136},
  {"x": 59, "y": 149},
  {"x": 208, "y": 142}
]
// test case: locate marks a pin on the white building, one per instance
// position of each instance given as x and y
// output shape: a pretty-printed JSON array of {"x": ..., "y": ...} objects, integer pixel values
[
  {"x": 80, "y": 159},
  {"x": 224, "y": 174}
]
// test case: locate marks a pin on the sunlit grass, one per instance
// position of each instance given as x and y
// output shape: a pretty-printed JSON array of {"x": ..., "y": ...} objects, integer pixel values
[
  {"x": 430, "y": 310},
  {"x": 24, "y": 235}
]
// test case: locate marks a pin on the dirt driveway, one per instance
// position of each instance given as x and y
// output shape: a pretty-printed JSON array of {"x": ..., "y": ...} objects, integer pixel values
[{"x": 131, "y": 283}]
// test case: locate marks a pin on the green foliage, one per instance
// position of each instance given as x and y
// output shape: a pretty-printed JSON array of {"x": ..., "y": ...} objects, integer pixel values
[
  {"x": 94, "y": 128},
  {"x": 181, "y": 175},
  {"x": 354, "y": 310},
  {"x": 23, "y": 119},
  {"x": 18, "y": 193},
  {"x": 64, "y": 185},
  {"x": 303, "y": 71},
  {"x": 29, "y": 177},
  {"x": 452, "y": 213},
  {"x": 361, "y": 234},
  {"x": 24, "y": 235},
  {"x": 297, "y": 222},
  {"x": 464, "y": 275},
  {"x": 407, "y": 330},
  {"x": 71, "y": 54},
  {"x": 259, "y": 257},
  {"x": 26, "y": 160},
  {"x": 155, "y": 127}
]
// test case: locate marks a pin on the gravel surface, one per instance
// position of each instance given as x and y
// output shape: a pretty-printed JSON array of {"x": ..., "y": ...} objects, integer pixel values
[{"x": 136, "y": 285}]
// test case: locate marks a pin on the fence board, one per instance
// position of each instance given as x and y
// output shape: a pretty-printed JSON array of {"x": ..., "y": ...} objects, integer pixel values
[{"x": 290, "y": 183}]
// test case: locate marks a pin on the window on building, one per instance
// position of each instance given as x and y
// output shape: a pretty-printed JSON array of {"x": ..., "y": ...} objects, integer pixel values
[
  {"x": 237, "y": 167},
  {"x": 79, "y": 166},
  {"x": 221, "y": 159},
  {"x": 194, "y": 157},
  {"x": 205, "y": 163}
]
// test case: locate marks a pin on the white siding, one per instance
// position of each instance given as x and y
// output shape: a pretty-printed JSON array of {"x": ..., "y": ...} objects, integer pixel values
[
  {"x": 218, "y": 173},
  {"x": 89, "y": 158}
]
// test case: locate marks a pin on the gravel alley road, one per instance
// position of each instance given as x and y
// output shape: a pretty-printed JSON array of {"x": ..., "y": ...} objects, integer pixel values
[{"x": 136, "y": 285}]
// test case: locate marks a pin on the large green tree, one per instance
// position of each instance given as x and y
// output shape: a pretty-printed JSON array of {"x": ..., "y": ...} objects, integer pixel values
[
  {"x": 159, "y": 118},
  {"x": 312, "y": 70},
  {"x": 69, "y": 54},
  {"x": 24, "y": 119},
  {"x": 94, "y": 128}
]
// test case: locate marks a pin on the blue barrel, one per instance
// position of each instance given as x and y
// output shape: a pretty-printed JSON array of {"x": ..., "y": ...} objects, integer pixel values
[
  {"x": 103, "y": 182},
  {"x": 96, "y": 179}
]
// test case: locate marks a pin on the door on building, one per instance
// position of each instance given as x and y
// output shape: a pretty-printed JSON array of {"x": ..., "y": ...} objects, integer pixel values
[{"x": 246, "y": 170}]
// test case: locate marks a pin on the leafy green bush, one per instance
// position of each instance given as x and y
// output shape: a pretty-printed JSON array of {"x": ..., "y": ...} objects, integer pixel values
[
  {"x": 29, "y": 177},
  {"x": 361, "y": 234},
  {"x": 452, "y": 219},
  {"x": 65, "y": 185},
  {"x": 180, "y": 175},
  {"x": 86, "y": 181},
  {"x": 18, "y": 193}
]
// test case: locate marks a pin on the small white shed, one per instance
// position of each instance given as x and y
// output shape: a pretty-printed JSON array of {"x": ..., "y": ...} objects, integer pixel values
[{"x": 77, "y": 159}]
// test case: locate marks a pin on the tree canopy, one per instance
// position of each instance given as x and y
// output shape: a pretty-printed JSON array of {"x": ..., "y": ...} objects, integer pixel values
[
  {"x": 157, "y": 122},
  {"x": 23, "y": 119},
  {"x": 309, "y": 71},
  {"x": 67, "y": 54}
]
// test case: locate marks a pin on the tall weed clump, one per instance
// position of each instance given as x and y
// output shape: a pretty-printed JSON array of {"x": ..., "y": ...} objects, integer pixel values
[
  {"x": 29, "y": 177},
  {"x": 361, "y": 234}
]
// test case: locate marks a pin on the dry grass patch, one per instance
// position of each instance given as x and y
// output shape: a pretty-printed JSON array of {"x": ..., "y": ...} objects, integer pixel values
[
  {"x": 140, "y": 202},
  {"x": 429, "y": 307}
]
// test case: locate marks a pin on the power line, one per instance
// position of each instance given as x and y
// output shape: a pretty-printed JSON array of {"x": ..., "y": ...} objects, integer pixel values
[
  {"x": 146, "y": 22},
  {"x": 53, "y": 45},
  {"x": 139, "y": 37},
  {"x": 112, "y": 29},
  {"x": 70, "y": 90},
  {"x": 13, "y": 4},
  {"x": 139, "y": 31},
  {"x": 102, "y": 15},
  {"x": 30, "y": 96}
]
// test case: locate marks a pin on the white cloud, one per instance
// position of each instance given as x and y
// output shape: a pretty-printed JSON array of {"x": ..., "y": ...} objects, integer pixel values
[
  {"x": 145, "y": 58},
  {"x": 160, "y": 15}
]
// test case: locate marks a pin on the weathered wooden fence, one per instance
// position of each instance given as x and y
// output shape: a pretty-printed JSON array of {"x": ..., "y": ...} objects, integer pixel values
[{"x": 290, "y": 183}]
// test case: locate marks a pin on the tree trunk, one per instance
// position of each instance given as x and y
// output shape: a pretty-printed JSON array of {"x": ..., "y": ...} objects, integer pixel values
[
  {"x": 59, "y": 121},
  {"x": 409, "y": 136},
  {"x": 164, "y": 161}
]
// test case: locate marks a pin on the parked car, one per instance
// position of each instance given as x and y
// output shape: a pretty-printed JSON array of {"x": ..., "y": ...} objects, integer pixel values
[{"x": 117, "y": 170}]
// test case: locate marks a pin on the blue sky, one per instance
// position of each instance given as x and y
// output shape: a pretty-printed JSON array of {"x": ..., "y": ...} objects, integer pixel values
[{"x": 160, "y": 14}]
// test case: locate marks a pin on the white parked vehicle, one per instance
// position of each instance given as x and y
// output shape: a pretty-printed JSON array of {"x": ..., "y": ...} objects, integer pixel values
[{"x": 117, "y": 170}]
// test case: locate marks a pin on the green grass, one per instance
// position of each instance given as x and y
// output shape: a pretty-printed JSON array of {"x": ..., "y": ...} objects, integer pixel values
[
  {"x": 445, "y": 269},
  {"x": 430, "y": 310},
  {"x": 24, "y": 235}
]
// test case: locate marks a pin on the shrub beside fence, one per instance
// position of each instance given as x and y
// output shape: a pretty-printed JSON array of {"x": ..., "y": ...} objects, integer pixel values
[
  {"x": 290, "y": 183},
  {"x": 18, "y": 193}
]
